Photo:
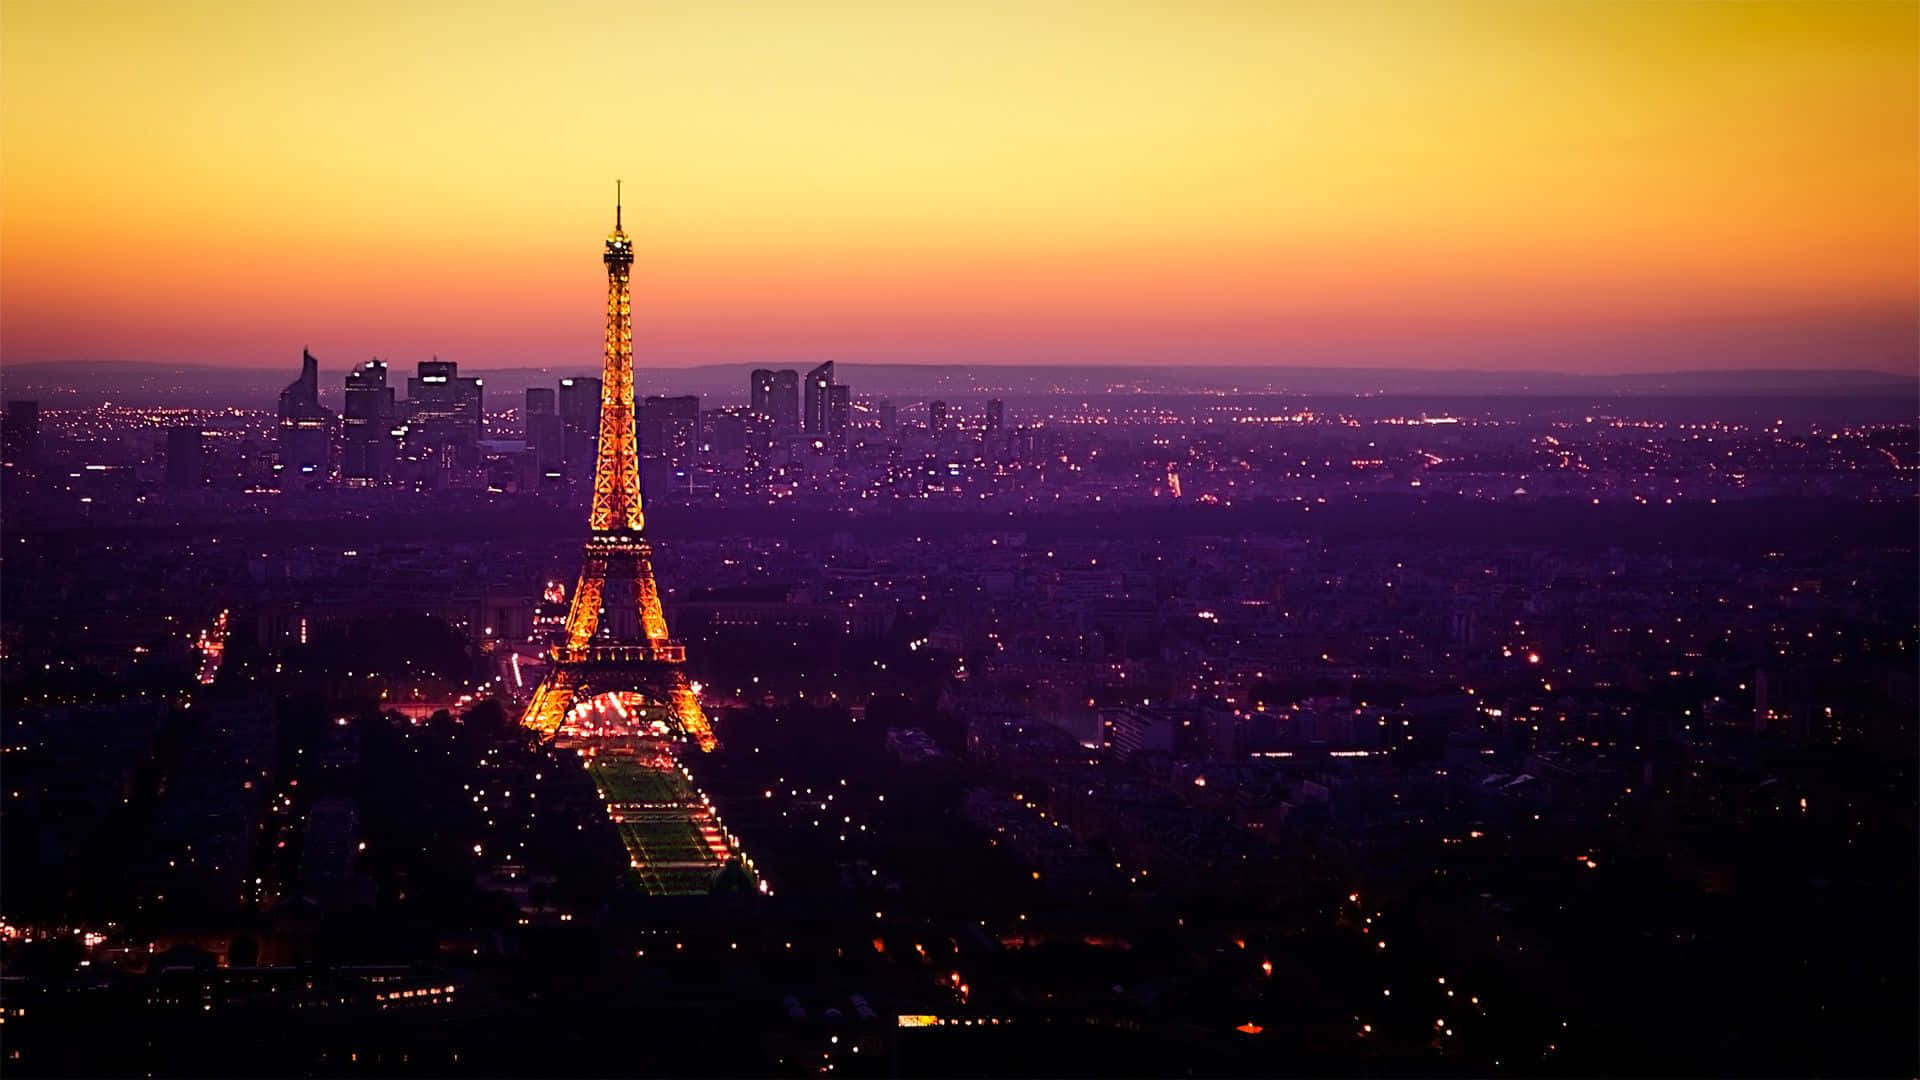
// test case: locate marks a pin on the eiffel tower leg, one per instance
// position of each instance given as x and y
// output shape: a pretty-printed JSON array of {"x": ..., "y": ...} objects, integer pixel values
[
  {"x": 548, "y": 709},
  {"x": 583, "y": 615},
  {"x": 687, "y": 714},
  {"x": 653, "y": 620}
]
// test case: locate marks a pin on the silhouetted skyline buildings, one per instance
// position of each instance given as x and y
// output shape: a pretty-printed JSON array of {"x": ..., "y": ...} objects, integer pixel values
[
  {"x": 817, "y": 400},
  {"x": 444, "y": 411},
  {"x": 370, "y": 425},
  {"x": 776, "y": 395},
  {"x": 1101, "y": 673},
  {"x": 306, "y": 426}
]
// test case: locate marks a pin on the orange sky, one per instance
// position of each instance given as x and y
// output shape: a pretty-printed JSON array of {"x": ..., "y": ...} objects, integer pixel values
[{"x": 1554, "y": 184}]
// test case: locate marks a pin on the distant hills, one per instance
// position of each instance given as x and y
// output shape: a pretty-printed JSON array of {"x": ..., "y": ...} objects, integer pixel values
[{"x": 74, "y": 385}]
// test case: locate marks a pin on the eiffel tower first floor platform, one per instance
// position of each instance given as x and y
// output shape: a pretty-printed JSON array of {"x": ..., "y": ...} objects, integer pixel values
[{"x": 607, "y": 689}]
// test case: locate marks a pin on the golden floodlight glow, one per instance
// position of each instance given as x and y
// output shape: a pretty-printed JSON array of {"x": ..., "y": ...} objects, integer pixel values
[{"x": 600, "y": 649}]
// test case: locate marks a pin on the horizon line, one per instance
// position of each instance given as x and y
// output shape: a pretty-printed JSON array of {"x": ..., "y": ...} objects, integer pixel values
[{"x": 1016, "y": 365}]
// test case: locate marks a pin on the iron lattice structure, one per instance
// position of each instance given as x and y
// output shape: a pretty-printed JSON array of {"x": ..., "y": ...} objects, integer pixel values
[{"x": 616, "y": 633}]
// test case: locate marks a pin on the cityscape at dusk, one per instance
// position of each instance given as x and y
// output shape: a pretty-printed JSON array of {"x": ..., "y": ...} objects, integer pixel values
[{"x": 835, "y": 539}]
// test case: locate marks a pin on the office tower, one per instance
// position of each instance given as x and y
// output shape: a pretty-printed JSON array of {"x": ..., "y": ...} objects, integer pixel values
[
  {"x": 669, "y": 428},
  {"x": 776, "y": 395},
  {"x": 580, "y": 424},
  {"x": 1023, "y": 445},
  {"x": 443, "y": 410},
  {"x": 186, "y": 457},
  {"x": 936, "y": 416},
  {"x": 819, "y": 390},
  {"x": 545, "y": 431},
  {"x": 723, "y": 431},
  {"x": 733, "y": 439},
  {"x": 889, "y": 416},
  {"x": 785, "y": 404},
  {"x": 22, "y": 443},
  {"x": 369, "y": 450},
  {"x": 839, "y": 413},
  {"x": 306, "y": 427},
  {"x": 760, "y": 388},
  {"x": 579, "y": 400},
  {"x": 996, "y": 417}
]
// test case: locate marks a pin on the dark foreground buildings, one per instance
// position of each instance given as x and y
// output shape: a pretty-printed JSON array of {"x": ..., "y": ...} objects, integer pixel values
[{"x": 1082, "y": 734}]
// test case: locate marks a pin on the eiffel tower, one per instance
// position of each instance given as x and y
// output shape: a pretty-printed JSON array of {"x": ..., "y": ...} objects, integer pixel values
[{"x": 616, "y": 633}]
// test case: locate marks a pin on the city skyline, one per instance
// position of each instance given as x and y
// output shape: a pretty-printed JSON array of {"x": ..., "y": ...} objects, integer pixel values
[
  {"x": 1598, "y": 188},
  {"x": 1560, "y": 697}
]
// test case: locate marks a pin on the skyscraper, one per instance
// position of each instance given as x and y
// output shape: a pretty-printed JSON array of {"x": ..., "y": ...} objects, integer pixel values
[
  {"x": 786, "y": 401},
  {"x": 776, "y": 395},
  {"x": 545, "y": 432},
  {"x": 839, "y": 413},
  {"x": 579, "y": 399},
  {"x": 580, "y": 424},
  {"x": 368, "y": 449},
  {"x": 724, "y": 431},
  {"x": 936, "y": 416},
  {"x": 669, "y": 430},
  {"x": 443, "y": 409},
  {"x": 818, "y": 394},
  {"x": 186, "y": 457},
  {"x": 996, "y": 417},
  {"x": 306, "y": 427}
]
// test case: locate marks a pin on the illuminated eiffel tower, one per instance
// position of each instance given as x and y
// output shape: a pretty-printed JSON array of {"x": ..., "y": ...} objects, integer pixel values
[{"x": 616, "y": 634}]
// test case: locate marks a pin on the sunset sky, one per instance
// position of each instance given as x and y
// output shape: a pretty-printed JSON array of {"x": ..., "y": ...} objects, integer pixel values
[{"x": 1572, "y": 186}]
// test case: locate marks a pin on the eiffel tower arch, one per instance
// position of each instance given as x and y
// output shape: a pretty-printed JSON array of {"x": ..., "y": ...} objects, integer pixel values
[{"x": 616, "y": 639}]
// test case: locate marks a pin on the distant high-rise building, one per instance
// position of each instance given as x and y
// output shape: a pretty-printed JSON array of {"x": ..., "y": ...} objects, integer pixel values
[
  {"x": 735, "y": 438},
  {"x": 186, "y": 457},
  {"x": 545, "y": 431},
  {"x": 368, "y": 445},
  {"x": 580, "y": 424},
  {"x": 579, "y": 399},
  {"x": 303, "y": 392},
  {"x": 669, "y": 429},
  {"x": 818, "y": 399},
  {"x": 996, "y": 416},
  {"x": 785, "y": 402},
  {"x": 839, "y": 413},
  {"x": 889, "y": 416},
  {"x": 1023, "y": 445},
  {"x": 443, "y": 409},
  {"x": 22, "y": 444},
  {"x": 936, "y": 416},
  {"x": 306, "y": 426},
  {"x": 776, "y": 395},
  {"x": 725, "y": 430}
]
